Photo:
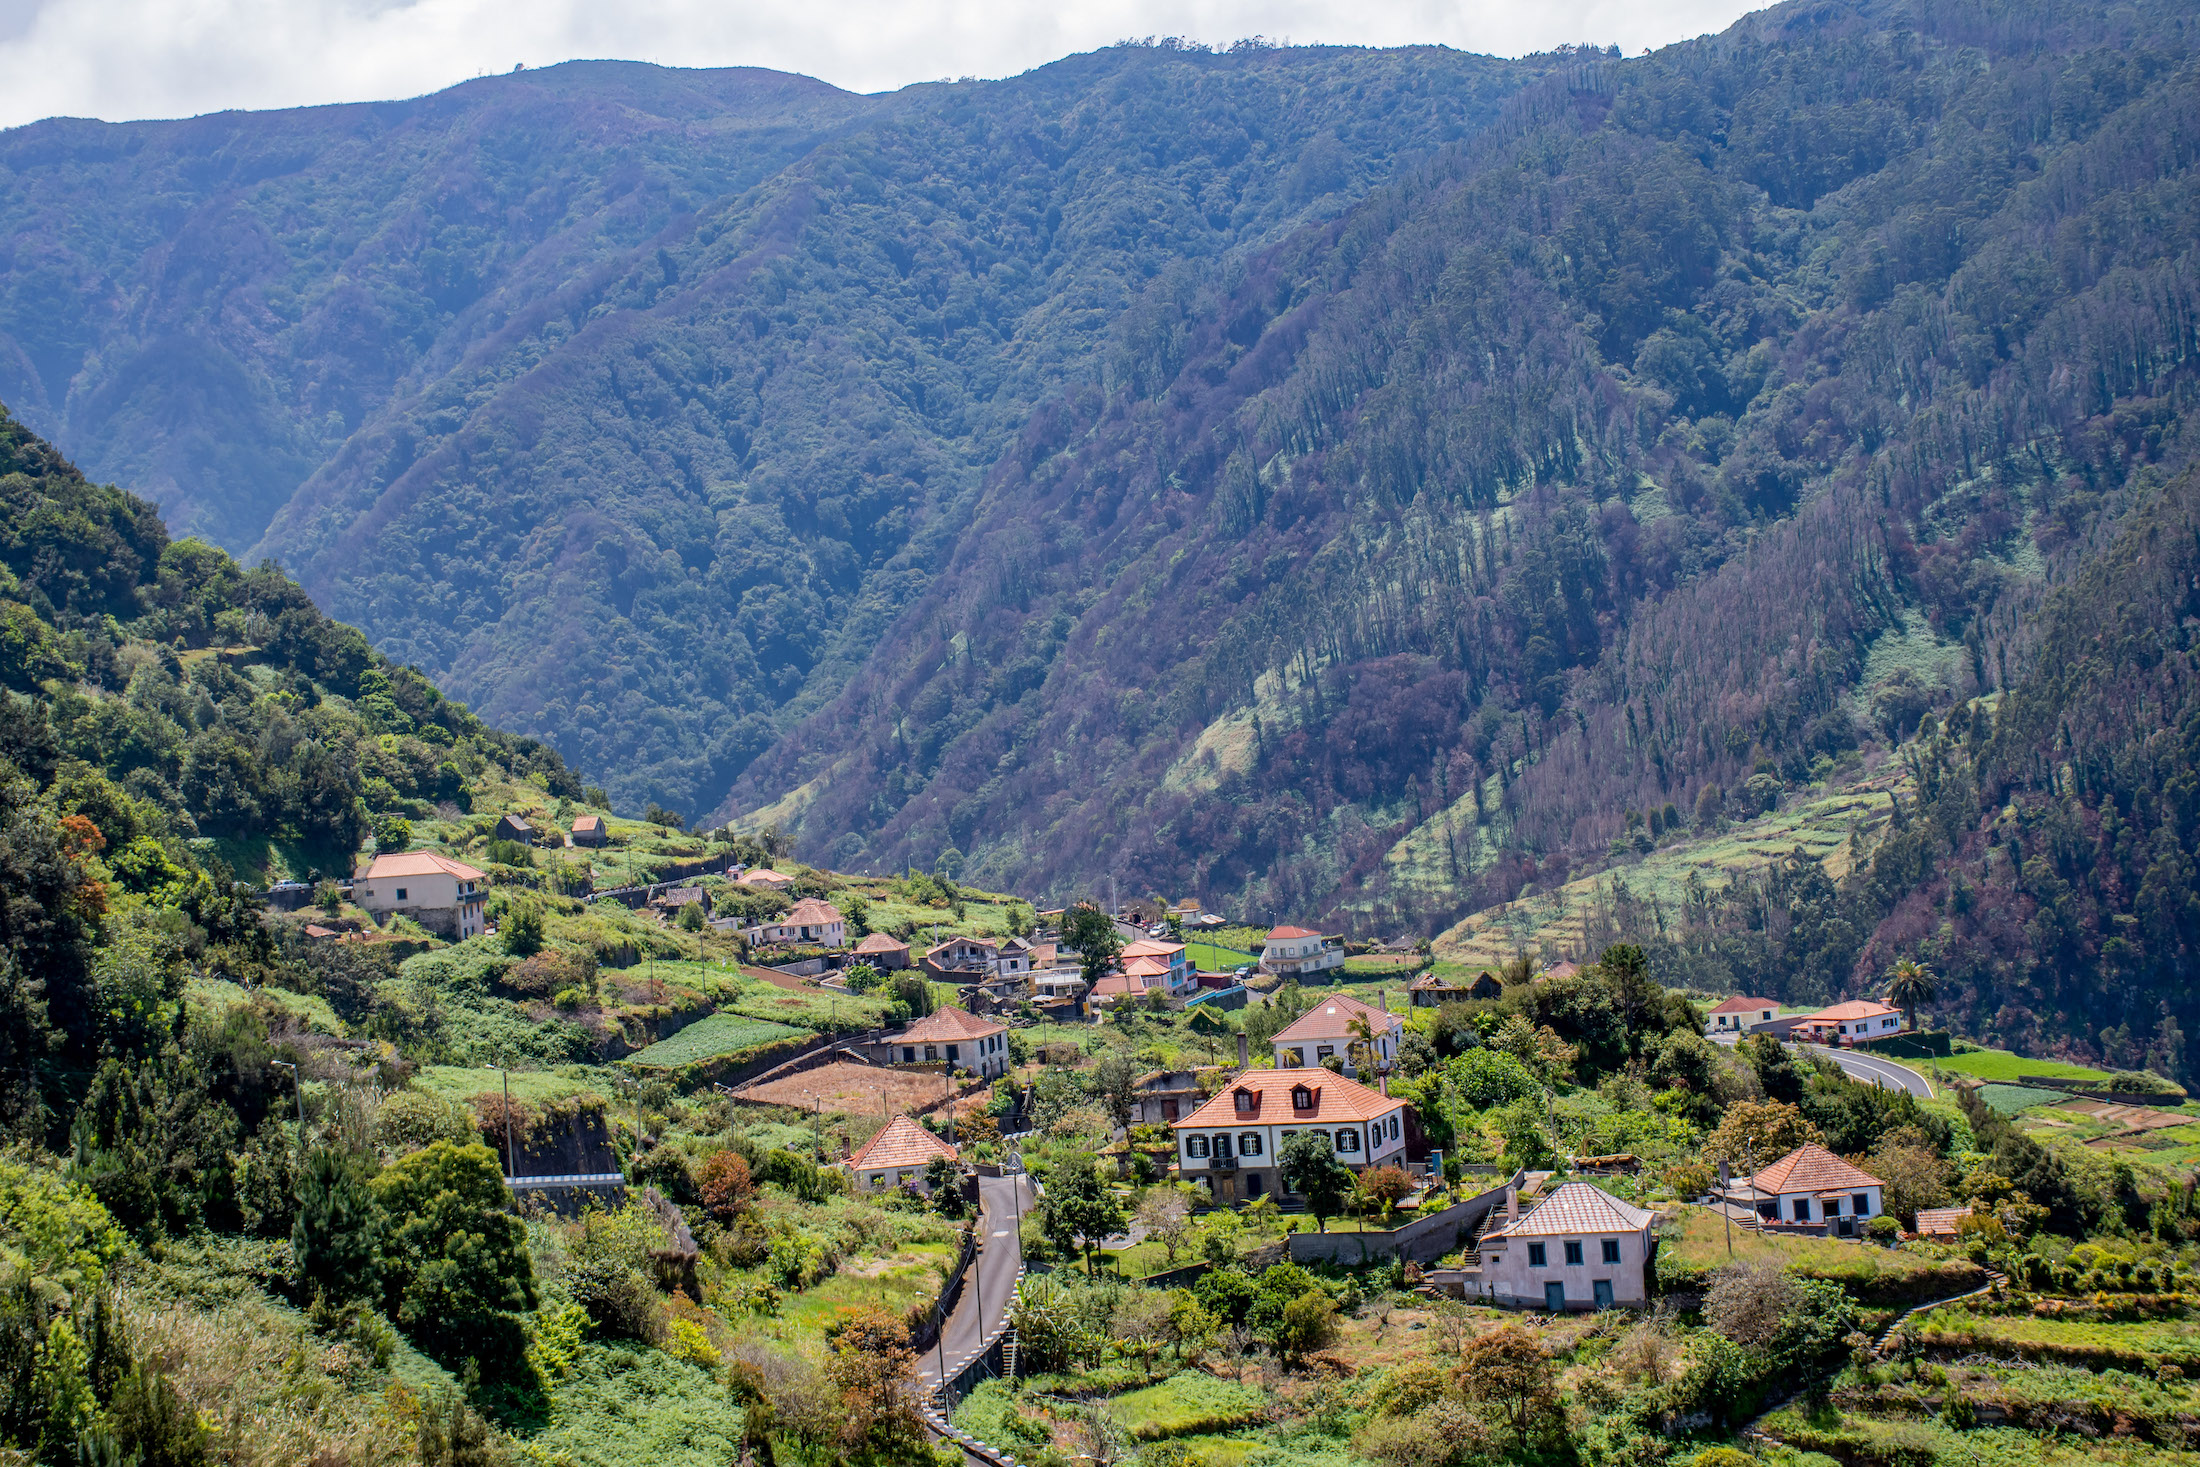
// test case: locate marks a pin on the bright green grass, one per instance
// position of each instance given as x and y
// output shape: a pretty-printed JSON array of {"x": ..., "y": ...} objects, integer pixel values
[
  {"x": 1852, "y": 1437},
  {"x": 1997, "y": 1064},
  {"x": 628, "y": 1406},
  {"x": 909, "y": 1277},
  {"x": 816, "y": 1009},
  {"x": 220, "y": 993},
  {"x": 2009, "y": 1099},
  {"x": 1698, "y": 1238},
  {"x": 457, "y": 1082},
  {"x": 1187, "y": 1402},
  {"x": 720, "y": 1034},
  {"x": 1211, "y": 958}
]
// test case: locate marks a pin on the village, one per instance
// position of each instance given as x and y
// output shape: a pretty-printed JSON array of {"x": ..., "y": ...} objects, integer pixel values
[{"x": 1105, "y": 1114}]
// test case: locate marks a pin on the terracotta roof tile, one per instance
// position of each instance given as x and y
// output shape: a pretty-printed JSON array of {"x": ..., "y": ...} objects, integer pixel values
[
  {"x": 1332, "y": 1019},
  {"x": 1747, "y": 1006},
  {"x": 1335, "y": 1099},
  {"x": 1152, "y": 947},
  {"x": 810, "y": 912},
  {"x": 1855, "y": 1008},
  {"x": 880, "y": 942},
  {"x": 1278, "y": 934},
  {"x": 418, "y": 863},
  {"x": 1808, "y": 1168},
  {"x": 946, "y": 1025},
  {"x": 1578, "y": 1207},
  {"x": 1940, "y": 1220},
  {"x": 903, "y": 1143}
]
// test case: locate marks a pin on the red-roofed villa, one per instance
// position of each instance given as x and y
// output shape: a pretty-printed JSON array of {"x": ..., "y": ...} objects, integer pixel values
[{"x": 1230, "y": 1144}]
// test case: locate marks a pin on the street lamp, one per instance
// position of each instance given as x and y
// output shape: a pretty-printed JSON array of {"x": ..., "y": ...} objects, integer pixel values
[{"x": 510, "y": 1170}]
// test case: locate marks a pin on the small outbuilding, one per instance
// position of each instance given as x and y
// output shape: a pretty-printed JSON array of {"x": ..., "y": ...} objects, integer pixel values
[
  {"x": 884, "y": 952},
  {"x": 898, "y": 1157},
  {"x": 515, "y": 827},
  {"x": 590, "y": 831}
]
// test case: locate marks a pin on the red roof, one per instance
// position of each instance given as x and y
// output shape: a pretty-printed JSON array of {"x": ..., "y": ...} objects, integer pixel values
[
  {"x": 810, "y": 912},
  {"x": 419, "y": 863},
  {"x": 903, "y": 1143},
  {"x": 1333, "y": 1098},
  {"x": 1148, "y": 947},
  {"x": 1808, "y": 1168},
  {"x": 1747, "y": 1006},
  {"x": 946, "y": 1025},
  {"x": 880, "y": 942},
  {"x": 1578, "y": 1207},
  {"x": 1850, "y": 1012},
  {"x": 1278, "y": 933},
  {"x": 587, "y": 824},
  {"x": 1940, "y": 1221}
]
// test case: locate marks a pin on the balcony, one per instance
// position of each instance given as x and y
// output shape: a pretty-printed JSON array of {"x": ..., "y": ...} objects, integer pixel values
[{"x": 1222, "y": 1164}]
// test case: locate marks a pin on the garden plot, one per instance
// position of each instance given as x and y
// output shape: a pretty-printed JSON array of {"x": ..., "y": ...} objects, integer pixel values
[
  {"x": 851, "y": 1088},
  {"x": 2125, "y": 1117}
]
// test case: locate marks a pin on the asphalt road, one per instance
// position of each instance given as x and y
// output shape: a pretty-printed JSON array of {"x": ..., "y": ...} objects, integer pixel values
[
  {"x": 1873, "y": 1070},
  {"x": 983, "y": 1306}
]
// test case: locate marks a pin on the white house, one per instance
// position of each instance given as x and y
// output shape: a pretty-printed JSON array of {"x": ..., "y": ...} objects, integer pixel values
[
  {"x": 948, "y": 1036},
  {"x": 1327, "y": 1030},
  {"x": 442, "y": 895},
  {"x": 1231, "y": 1145},
  {"x": 1162, "y": 963},
  {"x": 1736, "y": 1015},
  {"x": 808, "y": 921},
  {"x": 1297, "y": 952},
  {"x": 897, "y": 1157},
  {"x": 1811, "y": 1188},
  {"x": 1580, "y": 1248},
  {"x": 1846, "y": 1023}
]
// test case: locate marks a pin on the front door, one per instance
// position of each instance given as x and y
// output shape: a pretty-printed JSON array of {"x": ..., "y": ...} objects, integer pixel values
[
  {"x": 1554, "y": 1298},
  {"x": 1604, "y": 1293},
  {"x": 1226, "y": 1189}
]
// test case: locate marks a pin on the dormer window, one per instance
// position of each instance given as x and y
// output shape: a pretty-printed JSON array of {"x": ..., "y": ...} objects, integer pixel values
[
  {"x": 1245, "y": 1100},
  {"x": 1301, "y": 1098}
]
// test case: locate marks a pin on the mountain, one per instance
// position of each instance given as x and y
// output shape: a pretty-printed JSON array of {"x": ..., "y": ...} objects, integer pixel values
[
  {"x": 631, "y": 405},
  {"x": 1672, "y": 445}
]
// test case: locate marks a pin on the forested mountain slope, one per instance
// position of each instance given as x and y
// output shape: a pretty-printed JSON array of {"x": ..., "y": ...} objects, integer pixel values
[
  {"x": 632, "y": 404},
  {"x": 1699, "y": 426}
]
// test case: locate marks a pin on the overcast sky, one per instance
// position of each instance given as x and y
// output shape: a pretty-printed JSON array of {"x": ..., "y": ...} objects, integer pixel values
[{"x": 121, "y": 59}]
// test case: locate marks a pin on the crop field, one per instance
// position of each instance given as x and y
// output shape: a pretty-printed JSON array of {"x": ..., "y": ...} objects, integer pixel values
[
  {"x": 1211, "y": 958},
  {"x": 2009, "y": 1099},
  {"x": 2002, "y": 1066},
  {"x": 1187, "y": 1402},
  {"x": 720, "y": 1034},
  {"x": 2128, "y": 1345},
  {"x": 851, "y": 1088}
]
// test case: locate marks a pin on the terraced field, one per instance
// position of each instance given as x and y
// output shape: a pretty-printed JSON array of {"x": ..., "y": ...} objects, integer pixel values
[{"x": 705, "y": 1039}]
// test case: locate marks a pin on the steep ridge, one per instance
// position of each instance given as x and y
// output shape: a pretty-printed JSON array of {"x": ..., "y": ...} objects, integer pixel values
[
  {"x": 1705, "y": 422},
  {"x": 631, "y": 405}
]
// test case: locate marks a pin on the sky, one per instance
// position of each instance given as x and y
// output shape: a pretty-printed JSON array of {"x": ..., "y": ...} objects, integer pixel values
[{"x": 128, "y": 59}]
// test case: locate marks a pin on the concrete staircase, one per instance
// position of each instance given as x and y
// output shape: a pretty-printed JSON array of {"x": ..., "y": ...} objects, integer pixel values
[{"x": 1994, "y": 1281}]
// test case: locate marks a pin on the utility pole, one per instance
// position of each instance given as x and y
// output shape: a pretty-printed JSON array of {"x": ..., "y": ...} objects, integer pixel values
[
  {"x": 510, "y": 1170},
  {"x": 1726, "y": 1185},
  {"x": 298, "y": 1089}
]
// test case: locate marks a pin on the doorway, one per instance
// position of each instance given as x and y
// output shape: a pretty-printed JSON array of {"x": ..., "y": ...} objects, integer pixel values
[
  {"x": 1603, "y": 1289},
  {"x": 1554, "y": 1298}
]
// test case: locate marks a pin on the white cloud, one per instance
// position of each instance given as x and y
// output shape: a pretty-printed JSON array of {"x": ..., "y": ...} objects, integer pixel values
[{"x": 124, "y": 59}]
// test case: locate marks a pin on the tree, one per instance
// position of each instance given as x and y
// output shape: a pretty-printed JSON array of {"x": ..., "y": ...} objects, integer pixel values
[
  {"x": 1115, "y": 1085},
  {"x": 1910, "y": 984},
  {"x": 1167, "y": 1219},
  {"x": 1508, "y": 1372},
  {"x": 1140, "y": 1322},
  {"x": 1914, "y": 1176},
  {"x": 875, "y": 1371},
  {"x": 523, "y": 928},
  {"x": 1092, "y": 933},
  {"x": 1079, "y": 1210},
  {"x": 725, "y": 1185},
  {"x": 333, "y": 1238},
  {"x": 453, "y": 1260},
  {"x": 1309, "y": 1324},
  {"x": 1757, "y": 1132},
  {"x": 1308, "y": 1166},
  {"x": 1383, "y": 1188}
]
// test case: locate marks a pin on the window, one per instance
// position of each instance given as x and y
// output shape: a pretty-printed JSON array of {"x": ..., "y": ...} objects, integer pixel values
[
  {"x": 1573, "y": 1253},
  {"x": 1394, "y": 1128},
  {"x": 1301, "y": 1098},
  {"x": 1802, "y": 1209},
  {"x": 1222, "y": 1145},
  {"x": 931, "y": 1052},
  {"x": 1195, "y": 1145},
  {"x": 401, "y": 893},
  {"x": 1611, "y": 1250},
  {"x": 951, "y": 1055},
  {"x": 1538, "y": 1256},
  {"x": 909, "y": 1054},
  {"x": 1863, "y": 1203},
  {"x": 1348, "y": 1140},
  {"x": 1249, "y": 1143},
  {"x": 1244, "y": 1100},
  {"x": 1321, "y": 1051}
]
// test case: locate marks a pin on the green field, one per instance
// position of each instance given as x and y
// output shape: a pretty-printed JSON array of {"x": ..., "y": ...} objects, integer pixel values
[
  {"x": 1209, "y": 958},
  {"x": 1189, "y": 1401},
  {"x": 1696, "y": 1242},
  {"x": 720, "y": 1034},
  {"x": 458, "y": 1082},
  {"x": 1997, "y": 1064},
  {"x": 2129, "y": 1345},
  {"x": 2009, "y": 1099}
]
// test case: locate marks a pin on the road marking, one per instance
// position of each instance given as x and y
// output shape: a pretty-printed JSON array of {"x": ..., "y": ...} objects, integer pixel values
[{"x": 1000, "y": 1232}]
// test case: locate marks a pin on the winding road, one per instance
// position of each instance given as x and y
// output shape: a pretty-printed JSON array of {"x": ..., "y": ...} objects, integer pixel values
[
  {"x": 983, "y": 1307},
  {"x": 1873, "y": 1069}
]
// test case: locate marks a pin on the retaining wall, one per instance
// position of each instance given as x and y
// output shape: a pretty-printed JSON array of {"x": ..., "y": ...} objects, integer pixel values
[{"x": 1422, "y": 1239}]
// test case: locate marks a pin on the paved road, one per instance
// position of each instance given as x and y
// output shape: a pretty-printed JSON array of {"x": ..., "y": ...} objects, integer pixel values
[
  {"x": 1873, "y": 1070},
  {"x": 992, "y": 1278}
]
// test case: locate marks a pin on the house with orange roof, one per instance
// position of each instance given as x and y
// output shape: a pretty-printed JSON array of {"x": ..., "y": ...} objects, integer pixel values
[
  {"x": 810, "y": 920},
  {"x": 1809, "y": 1188},
  {"x": 948, "y": 1036},
  {"x": 1300, "y": 952},
  {"x": 442, "y": 895},
  {"x": 1737, "y": 1015},
  {"x": 1846, "y": 1023},
  {"x": 590, "y": 831},
  {"x": 1156, "y": 956},
  {"x": 1230, "y": 1145},
  {"x": 766, "y": 878},
  {"x": 1579, "y": 1248},
  {"x": 898, "y": 1157},
  {"x": 1327, "y": 1030}
]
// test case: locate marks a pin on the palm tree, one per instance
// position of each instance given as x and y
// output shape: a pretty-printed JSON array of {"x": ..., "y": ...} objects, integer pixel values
[{"x": 1911, "y": 984}]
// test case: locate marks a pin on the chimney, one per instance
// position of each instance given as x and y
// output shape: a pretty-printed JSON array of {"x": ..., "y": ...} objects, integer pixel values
[
  {"x": 1512, "y": 1203},
  {"x": 1382, "y": 999},
  {"x": 1384, "y": 1081},
  {"x": 1245, "y": 1056}
]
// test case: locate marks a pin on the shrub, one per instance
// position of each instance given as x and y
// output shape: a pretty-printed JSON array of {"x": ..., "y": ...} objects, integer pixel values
[{"x": 725, "y": 1186}]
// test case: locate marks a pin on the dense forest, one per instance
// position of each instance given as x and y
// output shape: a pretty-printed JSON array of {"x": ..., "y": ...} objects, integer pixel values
[
  {"x": 632, "y": 404},
  {"x": 1698, "y": 432}
]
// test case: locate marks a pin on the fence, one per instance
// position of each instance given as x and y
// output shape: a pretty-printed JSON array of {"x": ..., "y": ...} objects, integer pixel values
[
  {"x": 926, "y": 1336},
  {"x": 1422, "y": 1239}
]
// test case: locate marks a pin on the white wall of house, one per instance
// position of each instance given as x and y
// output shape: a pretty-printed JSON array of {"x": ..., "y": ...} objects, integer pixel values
[
  {"x": 1256, "y": 1149},
  {"x": 436, "y": 900},
  {"x": 1522, "y": 1270},
  {"x": 1810, "y": 1208}
]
